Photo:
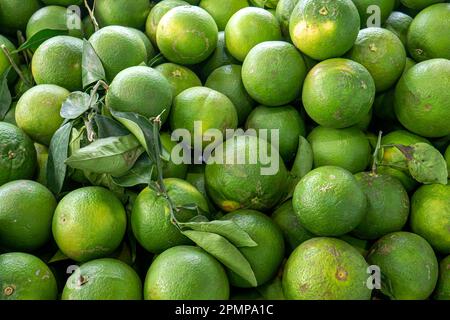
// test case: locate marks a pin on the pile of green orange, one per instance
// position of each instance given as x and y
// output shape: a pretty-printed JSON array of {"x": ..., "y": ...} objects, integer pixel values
[{"x": 215, "y": 149}]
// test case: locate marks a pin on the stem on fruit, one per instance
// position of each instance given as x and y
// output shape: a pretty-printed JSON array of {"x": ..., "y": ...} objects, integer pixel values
[
  {"x": 14, "y": 65},
  {"x": 375, "y": 153},
  {"x": 91, "y": 14}
]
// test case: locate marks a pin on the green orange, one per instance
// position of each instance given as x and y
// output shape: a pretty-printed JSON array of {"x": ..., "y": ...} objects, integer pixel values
[
  {"x": 15, "y": 15},
  {"x": 283, "y": 13},
  {"x": 419, "y": 4},
  {"x": 4, "y": 61},
  {"x": 443, "y": 286},
  {"x": 398, "y": 23},
  {"x": 367, "y": 12},
  {"x": 179, "y": 77},
  {"x": 122, "y": 12},
  {"x": 222, "y": 11}
]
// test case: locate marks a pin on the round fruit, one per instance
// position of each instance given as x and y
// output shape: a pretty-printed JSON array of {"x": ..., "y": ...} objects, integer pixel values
[
  {"x": 151, "y": 219},
  {"x": 329, "y": 201},
  {"x": 287, "y": 120},
  {"x": 89, "y": 223},
  {"x": 421, "y": 98},
  {"x": 388, "y": 205},
  {"x": 118, "y": 48},
  {"x": 179, "y": 77},
  {"x": 443, "y": 286},
  {"x": 419, "y": 4},
  {"x": 17, "y": 154},
  {"x": 187, "y": 35},
  {"x": 63, "y": 2},
  {"x": 227, "y": 79},
  {"x": 14, "y": 15},
  {"x": 170, "y": 168},
  {"x": 286, "y": 219},
  {"x": 273, "y": 73},
  {"x": 50, "y": 17},
  {"x": 38, "y": 111},
  {"x": 26, "y": 212},
  {"x": 42, "y": 159},
  {"x": 283, "y": 14},
  {"x": 325, "y": 269},
  {"x": 425, "y": 40},
  {"x": 398, "y": 23},
  {"x": 122, "y": 12},
  {"x": 346, "y": 148},
  {"x": 367, "y": 12},
  {"x": 338, "y": 93},
  {"x": 408, "y": 264},
  {"x": 383, "y": 55},
  {"x": 200, "y": 109},
  {"x": 151, "y": 52},
  {"x": 222, "y": 11},
  {"x": 156, "y": 14},
  {"x": 430, "y": 215},
  {"x": 266, "y": 257},
  {"x": 142, "y": 90},
  {"x": 249, "y": 27},
  {"x": 252, "y": 181},
  {"x": 315, "y": 24},
  {"x": 25, "y": 277},
  {"x": 4, "y": 61},
  {"x": 186, "y": 273},
  {"x": 103, "y": 279},
  {"x": 58, "y": 61}
]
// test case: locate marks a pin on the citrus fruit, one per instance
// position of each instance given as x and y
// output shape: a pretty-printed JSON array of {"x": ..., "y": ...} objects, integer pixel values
[
  {"x": 179, "y": 77},
  {"x": 283, "y": 14},
  {"x": 388, "y": 205},
  {"x": 430, "y": 215},
  {"x": 325, "y": 269},
  {"x": 187, "y": 35},
  {"x": 122, "y": 12},
  {"x": 170, "y": 168},
  {"x": 4, "y": 62},
  {"x": 315, "y": 24},
  {"x": 408, "y": 263},
  {"x": 17, "y": 154},
  {"x": 425, "y": 35},
  {"x": 14, "y": 15},
  {"x": 37, "y": 112},
  {"x": 346, "y": 148},
  {"x": 286, "y": 219},
  {"x": 242, "y": 176},
  {"x": 63, "y": 2},
  {"x": 151, "y": 219},
  {"x": 157, "y": 12},
  {"x": 142, "y": 90},
  {"x": 118, "y": 48},
  {"x": 328, "y": 201},
  {"x": 249, "y": 27},
  {"x": 202, "y": 108},
  {"x": 220, "y": 57},
  {"x": 338, "y": 93},
  {"x": 383, "y": 55},
  {"x": 421, "y": 98},
  {"x": 58, "y": 61},
  {"x": 89, "y": 223},
  {"x": 398, "y": 23},
  {"x": 151, "y": 52},
  {"x": 42, "y": 158},
  {"x": 367, "y": 13},
  {"x": 227, "y": 79},
  {"x": 362, "y": 246},
  {"x": 273, "y": 73},
  {"x": 50, "y": 17},
  {"x": 222, "y": 11},
  {"x": 26, "y": 213},
  {"x": 103, "y": 279},
  {"x": 186, "y": 273},
  {"x": 419, "y": 4},
  {"x": 287, "y": 120},
  {"x": 26, "y": 277},
  {"x": 266, "y": 257},
  {"x": 443, "y": 286}
]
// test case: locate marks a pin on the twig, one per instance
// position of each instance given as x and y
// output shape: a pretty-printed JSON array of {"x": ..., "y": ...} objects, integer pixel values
[
  {"x": 26, "y": 53},
  {"x": 14, "y": 65},
  {"x": 91, "y": 15},
  {"x": 375, "y": 153}
]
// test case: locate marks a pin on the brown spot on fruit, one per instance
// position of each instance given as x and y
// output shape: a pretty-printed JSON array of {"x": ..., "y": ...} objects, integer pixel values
[
  {"x": 11, "y": 155},
  {"x": 8, "y": 291},
  {"x": 82, "y": 280},
  {"x": 323, "y": 11},
  {"x": 341, "y": 274},
  {"x": 304, "y": 287},
  {"x": 428, "y": 107}
]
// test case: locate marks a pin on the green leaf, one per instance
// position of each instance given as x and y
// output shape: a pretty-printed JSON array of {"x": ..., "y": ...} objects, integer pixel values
[
  {"x": 141, "y": 173},
  {"x": 303, "y": 162},
  {"x": 108, "y": 127},
  {"x": 93, "y": 70},
  {"x": 113, "y": 155},
  {"x": 425, "y": 163},
  {"x": 75, "y": 105},
  {"x": 5, "y": 94},
  {"x": 226, "y": 228},
  {"x": 225, "y": 252},
  {"x": 39, "y": 37},
  {"x": 57, "y": 155},
  {"x": 58, "y": 256},
  {"x": 157, "y": 60},
  {"x": 105, "y": 180}
]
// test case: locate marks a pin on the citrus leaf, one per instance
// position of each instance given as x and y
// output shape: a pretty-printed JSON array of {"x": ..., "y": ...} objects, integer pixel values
[
  {"x": 75, "y": 105},
  {"x": 425, "y": 163},
  {"x": 113, "y": 155},
  {"x": 39, "y": 37},
  {"x": 108, "y": 127},
  {"x": 5, "y": 94},
  {"x": 226, "y": 228},
  {"x": 225, "y": 252},
  {"x": 303, "y": 162},
  {"x": 105, "y": 180},
  {"x": 57, "y": 155},
  {"x": 58, "y": 256},
  {"x": 141, "y": 173},
  {"x": 92, "y": 67}
]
